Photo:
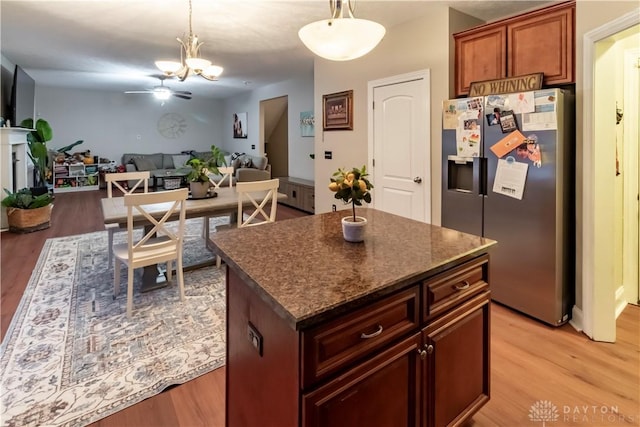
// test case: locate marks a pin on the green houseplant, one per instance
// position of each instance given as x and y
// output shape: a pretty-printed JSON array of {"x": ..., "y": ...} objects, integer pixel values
[
  {"x": 27, "y": 212},
  {"x": 201, "y": 169},
  {"x": 37, "y": 140},
  {"x": 352, "y": 186}
]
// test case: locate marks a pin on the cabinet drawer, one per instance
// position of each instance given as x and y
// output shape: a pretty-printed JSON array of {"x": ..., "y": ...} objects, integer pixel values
[
  {"x": 448, "y": 289},
  {"x": 362, "y": 395},
  {"x": 334, "y": 345}
]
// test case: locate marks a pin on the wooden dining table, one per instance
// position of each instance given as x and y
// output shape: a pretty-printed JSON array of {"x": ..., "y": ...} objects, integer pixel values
[{"x": 225, "y": 202}]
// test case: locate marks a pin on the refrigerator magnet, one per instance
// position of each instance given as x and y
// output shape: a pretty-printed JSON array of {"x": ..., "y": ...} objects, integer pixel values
[
  {"x": 508, "y": 143},
  {"x": 494, "y": 118},
  {"x": 508, "y": 121},
  {"x": 530, "y": 149}
]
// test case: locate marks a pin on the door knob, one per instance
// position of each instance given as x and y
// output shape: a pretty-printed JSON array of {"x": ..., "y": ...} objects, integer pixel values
[{"x": 417, "y": 180}]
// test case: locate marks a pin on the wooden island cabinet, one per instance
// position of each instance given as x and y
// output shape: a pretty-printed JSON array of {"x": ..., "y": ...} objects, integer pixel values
[
  {"x": 393, "y": 331},
  {"x": 539, "y": 41}
]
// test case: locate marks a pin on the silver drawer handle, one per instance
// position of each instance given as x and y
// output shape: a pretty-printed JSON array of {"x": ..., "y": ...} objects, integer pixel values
[
  {"x": 373, "y": 334},
  {"x": 462, "y": 286}
]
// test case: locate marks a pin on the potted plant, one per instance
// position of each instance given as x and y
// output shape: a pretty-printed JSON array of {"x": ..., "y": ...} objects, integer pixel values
[
  {"x": 352, "y": 186},
  {"x": 199, "y": 181},
  {"x": 37, "y": 141},
  {"x": 27, "y": 212}
]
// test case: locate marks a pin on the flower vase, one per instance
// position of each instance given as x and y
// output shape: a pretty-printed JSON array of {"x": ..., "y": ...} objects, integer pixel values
[
  {"x": 199, "y": 189},
  {"x": 353, "y": 231}
]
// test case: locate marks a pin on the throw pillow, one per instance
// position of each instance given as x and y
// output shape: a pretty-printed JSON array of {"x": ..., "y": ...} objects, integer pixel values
[
  {"x": 144, "y": 164},
  {"x": 179, "y": 160},
  {"x": 227, "y": 160},
  {"x": 235, "y": 160},
  {"x": 259, "y": 162},
  {"x": 245, "y": 162}
]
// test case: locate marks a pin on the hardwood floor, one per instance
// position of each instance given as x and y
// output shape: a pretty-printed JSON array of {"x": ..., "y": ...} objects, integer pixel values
[{"x": 531, "y": 362}]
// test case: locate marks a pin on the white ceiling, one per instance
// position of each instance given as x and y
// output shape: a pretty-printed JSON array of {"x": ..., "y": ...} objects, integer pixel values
[{"x": 112, "y": 44}]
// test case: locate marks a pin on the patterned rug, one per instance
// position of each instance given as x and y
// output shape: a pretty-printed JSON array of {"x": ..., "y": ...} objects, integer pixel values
[{"x": 71, "y": 357}]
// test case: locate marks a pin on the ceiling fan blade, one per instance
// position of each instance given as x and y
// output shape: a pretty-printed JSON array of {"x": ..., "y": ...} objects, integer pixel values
[
  {"x": 138, "y": 91},
  {"x": 182, "y": 92},
  {"x": 182, "y": 96}
]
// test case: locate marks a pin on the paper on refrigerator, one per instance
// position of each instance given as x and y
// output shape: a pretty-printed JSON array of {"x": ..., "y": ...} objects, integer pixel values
[
  {"x": 469, "y": 133},
  {"x": 511, "y": 177},
  {"x": 544, "y": 116}
]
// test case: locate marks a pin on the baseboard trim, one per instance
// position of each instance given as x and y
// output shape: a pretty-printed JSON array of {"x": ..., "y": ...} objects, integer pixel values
[
  {"x": 621, "y": 302},
  {"x": 576, "y": 319}
]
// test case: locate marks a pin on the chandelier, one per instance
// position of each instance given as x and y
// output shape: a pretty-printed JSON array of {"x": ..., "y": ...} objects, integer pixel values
[
  {"x": 341, "y": 38},
  {"x": 190, "y": 60}
]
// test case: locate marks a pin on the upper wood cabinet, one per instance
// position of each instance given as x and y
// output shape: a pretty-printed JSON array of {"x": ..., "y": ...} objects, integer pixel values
[
  {"x": 480, "y": 55},
  {"x": 538, "y": 41}
]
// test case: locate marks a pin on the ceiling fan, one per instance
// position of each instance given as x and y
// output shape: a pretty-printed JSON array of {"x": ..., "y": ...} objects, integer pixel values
[{"x": 164, "y": 92}]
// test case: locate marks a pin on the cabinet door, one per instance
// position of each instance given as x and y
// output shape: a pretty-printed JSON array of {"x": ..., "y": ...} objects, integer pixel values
[
  {"x": 543, "y": 43},
  {"x": 309, "y": 200},
  {"x": 480, "y": 55},
  {"x": 457, "y": 375},
  {"x": 381, "y": 392},
  {"x": 285, "y": 188}
]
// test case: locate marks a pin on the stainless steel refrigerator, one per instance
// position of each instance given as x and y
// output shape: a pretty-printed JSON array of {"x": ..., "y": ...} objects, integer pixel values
[{"x": 530, "y": 210}]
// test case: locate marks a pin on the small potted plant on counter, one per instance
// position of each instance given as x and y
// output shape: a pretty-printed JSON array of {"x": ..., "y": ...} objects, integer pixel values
[
  {"x": 352, "y": 186},
  {"x": 26, "y": 212}
]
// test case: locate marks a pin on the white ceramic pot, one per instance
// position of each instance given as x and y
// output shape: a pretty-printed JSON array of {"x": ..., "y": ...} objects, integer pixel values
[
  {"x": 199, "y": 189},
  {"x": 354, "y": 231}
]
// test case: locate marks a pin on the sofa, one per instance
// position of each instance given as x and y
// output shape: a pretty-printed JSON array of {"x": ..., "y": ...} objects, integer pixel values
[
  {"x": 249, "y": 168},
  {"x": 246, "y": 167}
]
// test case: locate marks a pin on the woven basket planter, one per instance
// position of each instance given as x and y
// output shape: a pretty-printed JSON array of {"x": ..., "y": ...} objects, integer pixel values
[{"x": 29, "y": 220}]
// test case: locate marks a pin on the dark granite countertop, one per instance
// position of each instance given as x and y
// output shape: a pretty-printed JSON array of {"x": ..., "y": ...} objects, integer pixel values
[{"x": 307, "y": 272}]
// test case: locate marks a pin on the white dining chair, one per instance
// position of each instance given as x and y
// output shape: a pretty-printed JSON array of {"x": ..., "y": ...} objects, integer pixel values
[
  {"x": 138, "y": 180},
  {"x": 226, "y": 173},
  {"x": 260, "y": 194},
  {"x": 151, "y": 249}
]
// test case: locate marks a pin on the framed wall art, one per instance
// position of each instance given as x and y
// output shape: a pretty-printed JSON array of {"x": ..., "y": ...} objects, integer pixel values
[
  {"x": 307, "y": 123},
  {"x": 337, "y": 111},
  {"x": 240, "y": 125}
]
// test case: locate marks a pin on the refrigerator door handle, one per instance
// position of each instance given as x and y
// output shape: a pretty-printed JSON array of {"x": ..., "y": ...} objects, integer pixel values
[{"x": 480, "y": 176}]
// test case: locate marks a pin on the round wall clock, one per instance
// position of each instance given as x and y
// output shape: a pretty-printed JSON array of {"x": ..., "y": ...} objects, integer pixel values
[{"x": 172, "y": 125}]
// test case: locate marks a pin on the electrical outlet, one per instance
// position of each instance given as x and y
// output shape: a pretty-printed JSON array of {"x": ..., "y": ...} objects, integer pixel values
[
  {"x": 254, "y": 338},
  {"x": 334, "y": 208},
  {"x": 253, "y": 146},
  {"x": 328, "y": 154}
]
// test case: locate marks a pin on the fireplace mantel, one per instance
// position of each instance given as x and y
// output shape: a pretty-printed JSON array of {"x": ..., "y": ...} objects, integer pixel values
[{"x": 13, "y": 141}]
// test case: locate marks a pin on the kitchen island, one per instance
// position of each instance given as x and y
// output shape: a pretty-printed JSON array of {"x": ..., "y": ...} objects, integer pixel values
[{"x": 322, "y": 332}]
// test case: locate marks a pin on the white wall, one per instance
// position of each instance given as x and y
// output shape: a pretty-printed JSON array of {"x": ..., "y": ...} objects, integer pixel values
[
  {"x": 113, "y": 123},
  {"x": 300, "y": 94},
  {"x": 419, "y": 44}
]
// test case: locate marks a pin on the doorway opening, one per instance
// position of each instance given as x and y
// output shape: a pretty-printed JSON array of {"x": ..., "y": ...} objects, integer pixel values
[
  {"x": 274, "y": 134},
  {"x": 597, "y": 316}
]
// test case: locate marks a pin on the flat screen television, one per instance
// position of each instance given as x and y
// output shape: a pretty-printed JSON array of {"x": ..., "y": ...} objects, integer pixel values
[{"x": 23, "y": 97}]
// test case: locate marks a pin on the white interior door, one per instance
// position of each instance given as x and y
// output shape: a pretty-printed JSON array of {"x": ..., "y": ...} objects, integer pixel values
[{"x": 400, "y": 154}]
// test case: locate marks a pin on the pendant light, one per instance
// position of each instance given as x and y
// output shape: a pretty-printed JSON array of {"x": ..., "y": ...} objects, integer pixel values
[{"x": 341, "y": 37}]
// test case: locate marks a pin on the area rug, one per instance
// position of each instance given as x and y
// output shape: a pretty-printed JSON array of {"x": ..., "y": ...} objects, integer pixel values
[{"x": 71, "y": 356}]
